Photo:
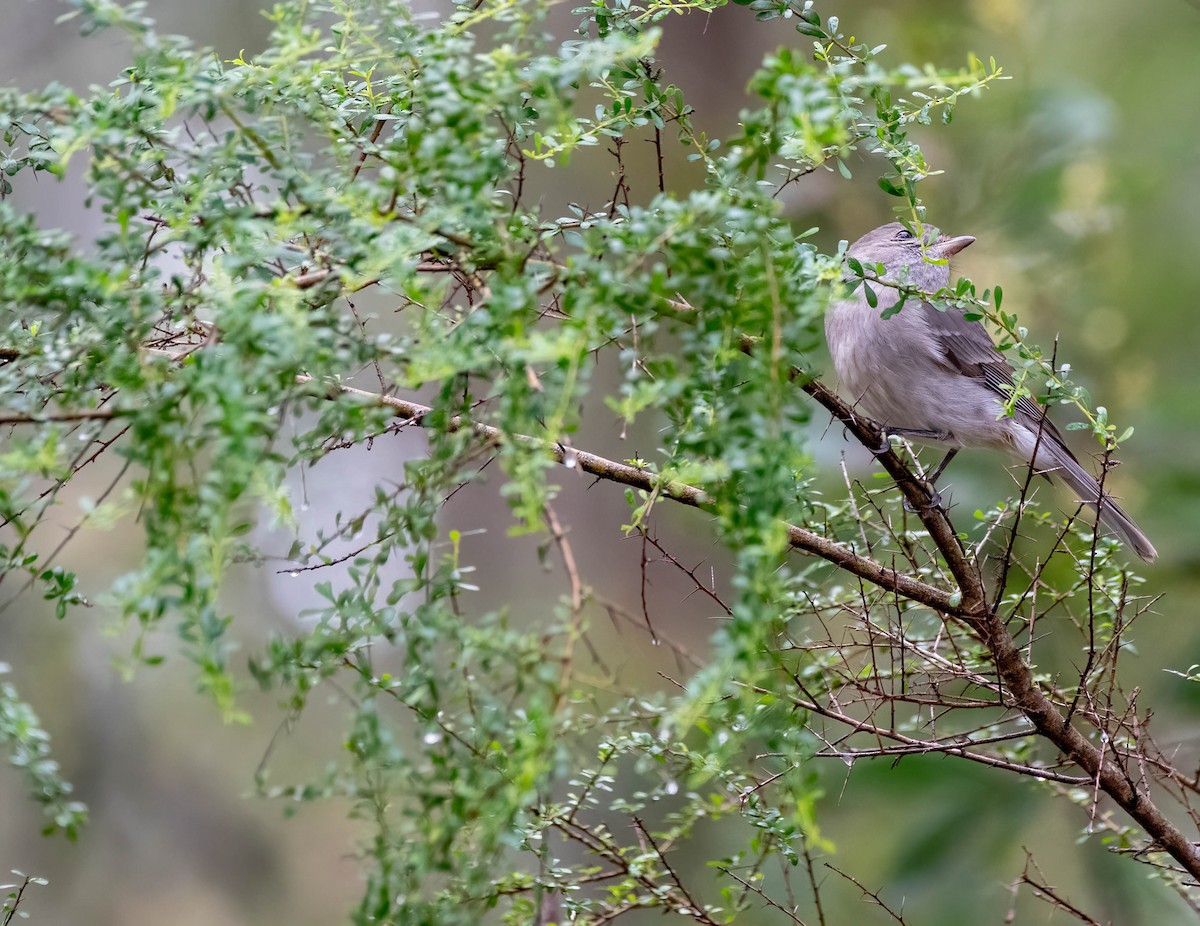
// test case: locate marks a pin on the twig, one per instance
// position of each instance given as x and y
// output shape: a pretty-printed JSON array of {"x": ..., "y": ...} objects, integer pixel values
[
  {"x": 1044, "y": 891},
  {"x": 755, "y": 889},
  {"x": 575, "y": 630},
  {"x": 867, "y": 893}
]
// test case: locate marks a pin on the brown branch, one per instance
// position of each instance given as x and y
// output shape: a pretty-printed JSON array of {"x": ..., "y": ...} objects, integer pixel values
[
  {"x": 911, "y": 746},
  {"x": 920, "y": 496},
  {"x": 813, "y": 883},
  {"x": 694, "y": 910},
  {"x": 969, "y": 603},
  {"x": 1050, "y": 895},
  {"x": 376, "y": 130},
  {"x": 610, "y": 470},
  {"x": 575, "y": 630},
  {"x": 874, "y": 895},
  {"x": 599, "y": 844},
  {"x": 755, "y": 889},
  {"x": 690, "y": 573},
  {"x": 974, "y": 610},
  {"x": 89, "y": 414}
]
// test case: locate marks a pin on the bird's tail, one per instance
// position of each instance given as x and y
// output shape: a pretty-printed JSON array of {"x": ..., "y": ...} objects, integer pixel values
[{"x": 1056, "y": 461}]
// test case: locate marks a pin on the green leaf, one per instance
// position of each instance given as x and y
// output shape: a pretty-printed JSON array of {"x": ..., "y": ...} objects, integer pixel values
[{"x": 888, "y": 187}]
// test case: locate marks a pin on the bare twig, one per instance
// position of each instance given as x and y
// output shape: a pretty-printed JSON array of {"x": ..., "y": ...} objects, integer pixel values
[
  {"x": 899, "y": 918},
  {"x": 1051, "y": 895}
]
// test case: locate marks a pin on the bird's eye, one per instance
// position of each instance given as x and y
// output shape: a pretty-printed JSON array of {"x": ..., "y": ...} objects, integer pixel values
[{"x": 904, "y": 235}]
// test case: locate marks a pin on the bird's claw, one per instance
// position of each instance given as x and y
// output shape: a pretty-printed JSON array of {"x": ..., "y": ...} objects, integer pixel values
[
  {"x": 910, "y": 433},
  {"x": 935, "y": 501}
]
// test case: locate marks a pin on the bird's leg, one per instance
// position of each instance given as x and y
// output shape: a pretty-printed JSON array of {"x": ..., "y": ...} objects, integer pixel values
[
  {"x": 932, "y": 478},
  {"x": 935, "y": 497},
  {"x": 927, "y": 434},
  {"x": 935, "y": 501},
  {"x": 917, "y": 433}
]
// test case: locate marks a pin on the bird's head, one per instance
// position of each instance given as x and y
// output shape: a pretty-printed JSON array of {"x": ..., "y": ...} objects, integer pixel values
[{"x": 897, "y": 247}]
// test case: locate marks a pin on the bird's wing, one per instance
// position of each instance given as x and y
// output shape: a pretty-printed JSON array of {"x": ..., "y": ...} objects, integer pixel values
[{"x": 966, "y": 348}]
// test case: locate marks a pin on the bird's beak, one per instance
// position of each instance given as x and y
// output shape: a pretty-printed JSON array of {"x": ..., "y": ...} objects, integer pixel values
[{"x": 946, "y": 246}]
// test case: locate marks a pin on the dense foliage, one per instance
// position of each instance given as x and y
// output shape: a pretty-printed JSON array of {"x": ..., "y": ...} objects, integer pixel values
[{"x": 300, "y": 242}]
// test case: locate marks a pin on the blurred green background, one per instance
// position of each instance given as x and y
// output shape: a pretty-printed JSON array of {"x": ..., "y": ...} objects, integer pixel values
[{"x": 1078, "y": 177}]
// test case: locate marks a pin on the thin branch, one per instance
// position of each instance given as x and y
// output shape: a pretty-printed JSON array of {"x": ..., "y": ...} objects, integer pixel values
[
  {"x": 575, "y": 630},
  {"x": 968, "y": 603},
  {"x": 376, "y": 130},
  {"x": 899, "y": 918},
  {"x": 975, "y": 611},
  {"x": 1051, "y": 895},
  {"x": 911, "y": 746},
  {"x": 90, "y": 414},
  {"x": 755, "y": 889}
]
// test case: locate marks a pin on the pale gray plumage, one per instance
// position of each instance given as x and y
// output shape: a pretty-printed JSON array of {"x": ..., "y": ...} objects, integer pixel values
[{"x": 924, "y": 370}]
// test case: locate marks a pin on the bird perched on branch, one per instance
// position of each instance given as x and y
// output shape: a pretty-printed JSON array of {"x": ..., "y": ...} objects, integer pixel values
[{"x": 936, "y": 376}]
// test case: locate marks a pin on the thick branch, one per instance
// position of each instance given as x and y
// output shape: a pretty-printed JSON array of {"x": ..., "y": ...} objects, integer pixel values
[
  {"x": 88, "y": 414},
  {"x": 919, "y": 495},
  {"x": 970, "y": 604},
  {"x": 974, "y": 609},
  {"x": 1017, "y": 676}
]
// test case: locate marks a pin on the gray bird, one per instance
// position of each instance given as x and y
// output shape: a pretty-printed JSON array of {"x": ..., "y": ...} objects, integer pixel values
[{"x": 937, "y": 377}]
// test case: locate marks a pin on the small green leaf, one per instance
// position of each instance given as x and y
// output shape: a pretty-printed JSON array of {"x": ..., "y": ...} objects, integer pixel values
[{"x": 888, "y": 187}]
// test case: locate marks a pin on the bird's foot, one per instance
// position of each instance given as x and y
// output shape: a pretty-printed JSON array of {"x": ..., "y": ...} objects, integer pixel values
[
  {"x": 935, "y": 501},
  {"x": 933, "y": 477},
  {"x": 925, "y": 434}
]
